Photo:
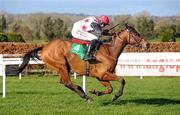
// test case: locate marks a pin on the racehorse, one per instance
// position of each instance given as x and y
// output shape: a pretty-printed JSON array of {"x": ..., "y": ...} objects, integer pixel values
[{"x": 56, "y": 54}]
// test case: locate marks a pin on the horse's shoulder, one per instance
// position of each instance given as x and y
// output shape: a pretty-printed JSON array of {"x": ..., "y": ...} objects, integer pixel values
[
  {"x": 104, "y": 48},
  {"x": 105, "y": 45}
]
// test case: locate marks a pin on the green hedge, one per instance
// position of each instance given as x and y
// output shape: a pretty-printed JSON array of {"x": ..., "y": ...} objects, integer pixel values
[{"x": 11, "y": 37}]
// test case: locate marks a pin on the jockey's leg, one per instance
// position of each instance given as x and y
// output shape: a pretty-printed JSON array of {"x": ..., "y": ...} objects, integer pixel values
[{"x": 94, "y": 44}]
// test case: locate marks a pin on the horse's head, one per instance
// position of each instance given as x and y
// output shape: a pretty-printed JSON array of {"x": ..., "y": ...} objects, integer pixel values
[{"x": 132, "y": 37}]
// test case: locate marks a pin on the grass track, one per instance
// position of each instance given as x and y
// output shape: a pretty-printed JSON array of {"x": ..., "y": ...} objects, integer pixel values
[{"x": 44, "y": 96}]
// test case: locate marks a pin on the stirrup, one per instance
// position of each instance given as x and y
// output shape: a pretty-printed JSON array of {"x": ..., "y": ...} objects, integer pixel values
[{"x": 87, "y": 58}]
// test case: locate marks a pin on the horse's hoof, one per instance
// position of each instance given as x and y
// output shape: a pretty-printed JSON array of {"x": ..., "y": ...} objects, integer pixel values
[
  {"x": 114, "y": 98},
  {"x": 92, "y": 91},
  {"x": 95, "y": 92},
  {"x": 89, "y": 99},
  {"x": 98, "y": 93}
]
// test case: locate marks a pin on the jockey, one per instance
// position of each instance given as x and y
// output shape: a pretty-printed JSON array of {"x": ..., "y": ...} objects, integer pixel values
[{"x": 90, "y": 29}]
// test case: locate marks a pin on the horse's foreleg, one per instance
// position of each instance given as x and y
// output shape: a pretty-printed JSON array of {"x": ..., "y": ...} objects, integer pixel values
[
  {"x": 65, "y": 79},
  {"x": 111, "y": 77},
  {"x": 108, "y": 90}
]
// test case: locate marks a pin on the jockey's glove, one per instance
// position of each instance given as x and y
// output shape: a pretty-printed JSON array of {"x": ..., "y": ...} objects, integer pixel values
[{"x": 105, "y": 32}]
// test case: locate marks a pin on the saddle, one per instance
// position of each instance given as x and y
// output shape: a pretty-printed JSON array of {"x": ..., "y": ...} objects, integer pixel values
[{"x": 81, "y": 47}]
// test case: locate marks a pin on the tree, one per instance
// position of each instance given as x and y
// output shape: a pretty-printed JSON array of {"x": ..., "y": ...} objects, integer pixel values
[
  {"x": 3, "y": 24},
  {"x": 25, "y": 32},
  {"x": 166, "y": 30},
  {"x": 37, "y": 28},
  {"x": 59, "y": 28},
  {"x": 167, "y": 34},
  {"x": 145, "y": 25},
  {"x": 48, "y": 28},
  {"x": 178, "y": 26},
  {"x": 54, "y": 28},
  {"x": 15, "y": 27}
]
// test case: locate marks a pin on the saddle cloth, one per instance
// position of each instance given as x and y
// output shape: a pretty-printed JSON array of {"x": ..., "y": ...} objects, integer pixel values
[{"x": 79, "y": 47}]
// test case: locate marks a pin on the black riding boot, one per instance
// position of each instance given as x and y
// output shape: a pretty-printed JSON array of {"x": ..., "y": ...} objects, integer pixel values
[{"x": 94, "y": 44}]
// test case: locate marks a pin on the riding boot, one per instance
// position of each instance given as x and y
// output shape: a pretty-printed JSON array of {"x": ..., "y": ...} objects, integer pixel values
[{"x": 94, "y": 44}]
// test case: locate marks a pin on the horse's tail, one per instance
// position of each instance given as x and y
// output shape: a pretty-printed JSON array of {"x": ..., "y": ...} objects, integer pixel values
[{"x": 31, "y": 54}]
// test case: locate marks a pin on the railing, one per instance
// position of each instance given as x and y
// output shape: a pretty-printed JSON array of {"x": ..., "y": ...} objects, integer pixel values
[
  {"x": 129, "y": 64},
  {"x": 11, "y": 61},
  {"x": 149, "y": 64}
]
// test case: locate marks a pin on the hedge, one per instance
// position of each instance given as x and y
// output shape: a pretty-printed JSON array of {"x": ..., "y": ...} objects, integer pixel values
[{"x": 11, "y": 37}]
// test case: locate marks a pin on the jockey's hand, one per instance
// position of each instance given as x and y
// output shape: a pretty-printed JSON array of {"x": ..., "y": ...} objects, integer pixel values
[{"x": 105, "y": 32}]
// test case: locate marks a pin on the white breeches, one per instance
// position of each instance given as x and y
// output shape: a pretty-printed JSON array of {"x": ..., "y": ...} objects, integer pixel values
[{"x": 83, "y": 35}]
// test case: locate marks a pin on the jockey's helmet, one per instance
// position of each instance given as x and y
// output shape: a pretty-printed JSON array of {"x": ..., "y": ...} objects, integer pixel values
[{"x": 104, "y": 19}]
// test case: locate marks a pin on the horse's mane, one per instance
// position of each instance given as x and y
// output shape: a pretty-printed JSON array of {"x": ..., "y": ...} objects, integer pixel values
[{"x": 130, "y": 28}]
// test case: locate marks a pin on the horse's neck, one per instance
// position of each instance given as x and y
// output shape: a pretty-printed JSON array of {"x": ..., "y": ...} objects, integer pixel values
[{"x": 116, "y": 47}]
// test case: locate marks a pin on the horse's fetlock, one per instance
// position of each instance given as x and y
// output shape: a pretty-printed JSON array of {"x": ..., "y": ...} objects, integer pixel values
[
  {"x": 110, "y": 90},
  {"x": 123, "y": 82},
  {"x": 67, "y": 85}
]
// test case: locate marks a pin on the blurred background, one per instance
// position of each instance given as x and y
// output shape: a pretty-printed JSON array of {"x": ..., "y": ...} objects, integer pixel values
[{"x": 41, "y": 21}]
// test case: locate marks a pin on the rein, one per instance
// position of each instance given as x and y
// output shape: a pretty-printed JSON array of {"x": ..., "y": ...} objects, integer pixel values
[{"x": 117, "y": 35}]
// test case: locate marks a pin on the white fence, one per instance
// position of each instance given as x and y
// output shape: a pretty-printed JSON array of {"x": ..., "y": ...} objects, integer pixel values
[
  {"x": 149, "y": 64},
  {"x": 11, "y": 61},
  {"x": 129, "y": 64},
  {"x": 18, "y": 61}
]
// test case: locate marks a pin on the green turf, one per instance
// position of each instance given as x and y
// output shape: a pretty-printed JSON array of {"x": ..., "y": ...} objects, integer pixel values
[{"x": 44, "y": 96}]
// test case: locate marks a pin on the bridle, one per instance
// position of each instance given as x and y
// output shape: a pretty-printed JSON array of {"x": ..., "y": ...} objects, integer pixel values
[
  {"x": 130, "y": 36},
  {"x": 135, "y": 38}
]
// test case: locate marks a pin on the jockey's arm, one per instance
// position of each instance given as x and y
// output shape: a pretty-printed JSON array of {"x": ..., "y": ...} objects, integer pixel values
[
  {"x": 98, "y": 30},
  {"x": 88, "y": 36}
]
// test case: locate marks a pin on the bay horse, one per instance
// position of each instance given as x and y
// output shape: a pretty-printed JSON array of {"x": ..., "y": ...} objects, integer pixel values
[{"x": 56, "y": 54}]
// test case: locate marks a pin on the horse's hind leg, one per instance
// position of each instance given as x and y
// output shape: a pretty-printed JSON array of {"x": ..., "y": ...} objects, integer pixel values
[
  {"x": 65, "y": 79},
  {"x": 111, "y": 77},
  {"x": 108, "y": 90}
]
